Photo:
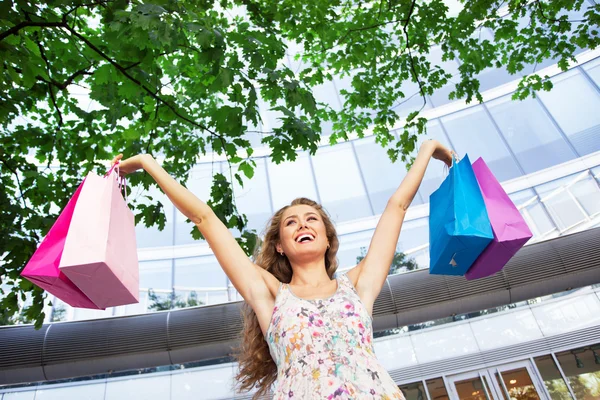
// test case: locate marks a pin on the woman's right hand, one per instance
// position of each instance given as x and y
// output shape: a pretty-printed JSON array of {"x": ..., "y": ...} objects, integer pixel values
[{"x": 131, "y": 164}]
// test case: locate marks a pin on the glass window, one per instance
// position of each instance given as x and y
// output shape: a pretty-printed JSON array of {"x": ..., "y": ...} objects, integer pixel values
[
  {"x": 152, "y": 236},
  {"x": 574, "y": 104},
  {"x": 437, "y": 389},
  {"x": 352, "y": 246},
  {"x": 199, "y": 183},
  {"x": 29, "y": 395},
  {"x": 414, "y": 391},
  {"x": 94, "y": 391},
  {"x": 560, "y": 202},
  {"x": 535, "y": 141},
  {"x": 80, "y": 314},
  {"x": 471, "y": 132},
  {"x": 436, "y": 171},
  {"x": 534, "y": 213},
  {"x": 553, "y": 381},
  {"x": 214, "y": 382},
  {"x": 199, "y": 272},
  {"x": 414, "y": 237},
  {"x": 156, "y": 274},
  {"x": 253, "y": 199},
  {"x": 290, "y": 180},
  {"x": 155, "y": 388},
  {"x": 582, "y": 369},
  {"x": 593, "y": 70},
  {"x": 340, "y": 184},
  {"x": 381, "y": 176},
  {"x": 587, "y": 193}
]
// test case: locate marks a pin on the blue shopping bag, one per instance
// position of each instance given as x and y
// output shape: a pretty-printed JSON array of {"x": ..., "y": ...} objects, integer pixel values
[{"x": 459, "y": 227}]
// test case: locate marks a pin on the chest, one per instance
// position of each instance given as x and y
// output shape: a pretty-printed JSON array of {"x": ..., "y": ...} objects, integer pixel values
[{"x": 321, "y": 325}]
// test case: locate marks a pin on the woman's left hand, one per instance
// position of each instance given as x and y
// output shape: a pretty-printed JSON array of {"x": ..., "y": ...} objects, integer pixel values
[{"x": 441, "y": 152}]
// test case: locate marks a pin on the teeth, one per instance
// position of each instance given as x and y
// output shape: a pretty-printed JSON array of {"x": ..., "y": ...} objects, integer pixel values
[{"x": 299, "y": 239}]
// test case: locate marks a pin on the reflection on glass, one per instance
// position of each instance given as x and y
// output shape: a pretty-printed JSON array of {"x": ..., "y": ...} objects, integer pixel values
[
  {"x": 413, "y": 391},
  {"x": 535, "y": 141},
  {"x": 289, "y": 180},
  {"x": 519, "y": 385},
  {"x": 340, "y": 183},
  {"x": 472, "y": 389},
  {"x": 472, "y": 132},
  {"x": 381, "y": 176},
  {"x": 555, "y": 384},
  {"x": 582, "y": 369},
  {"x": 573, "y": 103},
  {"x": 437, "y": 389},
  {"x": 561, "y": 203}
]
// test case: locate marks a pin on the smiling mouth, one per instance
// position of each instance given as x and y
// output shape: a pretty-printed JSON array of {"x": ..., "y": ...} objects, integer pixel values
[{"x": 305, "y": 238}]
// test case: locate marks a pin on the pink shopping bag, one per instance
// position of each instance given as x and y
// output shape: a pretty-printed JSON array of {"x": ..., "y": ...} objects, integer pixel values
[
  {"x": 43, "y": 267},
  {"x": 510, "y": 229},
  {"x": 100, "y": 254}
]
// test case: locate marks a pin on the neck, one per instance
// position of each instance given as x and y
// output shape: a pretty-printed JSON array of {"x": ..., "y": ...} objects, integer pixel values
[{"x": 310, "y": 273}]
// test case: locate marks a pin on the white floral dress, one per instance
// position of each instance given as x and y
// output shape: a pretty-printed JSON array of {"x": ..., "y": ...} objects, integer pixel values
[{"x": 324, "y": 348}]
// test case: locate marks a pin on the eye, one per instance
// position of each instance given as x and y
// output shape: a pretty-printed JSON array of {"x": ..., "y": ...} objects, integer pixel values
[
  {"x": 312, "y": 218},
  {"x": 291, "y": 221}
]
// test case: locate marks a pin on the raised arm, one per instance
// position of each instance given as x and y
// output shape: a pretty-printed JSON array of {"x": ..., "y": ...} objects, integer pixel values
[
  {"x": 254, "y": 283},
  {"x": 369, "y": 275}
]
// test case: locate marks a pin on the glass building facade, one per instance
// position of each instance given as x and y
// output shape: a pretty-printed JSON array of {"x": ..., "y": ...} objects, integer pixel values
[{"x": 546, "y": 152}]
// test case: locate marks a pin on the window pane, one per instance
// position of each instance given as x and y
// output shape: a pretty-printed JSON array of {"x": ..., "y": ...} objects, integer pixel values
[
  {"x": 534, "y": 213},
  {"x": 587, "y": 193},
  {"x": 413, "y": 237},
  {"x": 352, "y": 246},
  {"x": 437, "y": 389},
  {"x": 155, "y": 274},
  {"x": 155, "y": 388},
  {"x": 290, "y": 180},
  {"x": 535, "y": 141},
  {"x": 253, "y": 199},
  {"x": 560, "y": 203},
  {"x": 471, "y": 132},
  {"x": 553, "y": 381},
  {"x": 152, "y": 236},
  {"x": 94, "y": 391},
  {"x": 199, "y": 183},
  {"x": 413, "y": 391},
  {"x": 29, "y": 395},
  {"x": 574, "y": 104},
  {"x": 593, "y": 70},
  {"x": 436, "y": 171},
  {"x": 340, "y": 184},
  {"x": 199, "y": 272},
  {"x": 381, "y": 176},
  {"x": 206, "y": 383},
  {"x": 582, "y": 369}
]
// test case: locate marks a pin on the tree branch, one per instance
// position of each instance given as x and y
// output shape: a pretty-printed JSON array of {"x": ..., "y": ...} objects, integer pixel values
[
  {"x": 15, "y": 29},
  {"x": 14, "y": 172},
  {"x": 123, "y": 70},
  {"x": 541, "y": 10}
]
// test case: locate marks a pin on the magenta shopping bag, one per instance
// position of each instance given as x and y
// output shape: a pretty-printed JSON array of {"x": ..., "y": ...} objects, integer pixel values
[
  {"x": 43, "y": 267},
  {"x": 100, "y": 253},
  {"x": 510, "y": 229}
]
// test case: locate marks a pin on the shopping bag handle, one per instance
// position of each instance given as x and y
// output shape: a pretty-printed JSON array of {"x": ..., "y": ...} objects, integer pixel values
[{"x": 122, "y": 182}]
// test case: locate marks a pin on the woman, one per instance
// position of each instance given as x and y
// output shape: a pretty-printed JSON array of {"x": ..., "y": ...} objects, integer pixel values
[{"x": 303, "y": 329}]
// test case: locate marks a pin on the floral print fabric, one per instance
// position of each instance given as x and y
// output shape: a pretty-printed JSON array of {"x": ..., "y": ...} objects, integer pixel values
[{"x": 324, "y": 348}]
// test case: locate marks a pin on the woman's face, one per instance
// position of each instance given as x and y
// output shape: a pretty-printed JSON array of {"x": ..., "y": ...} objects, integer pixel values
[{"x": 303, "y": 234}]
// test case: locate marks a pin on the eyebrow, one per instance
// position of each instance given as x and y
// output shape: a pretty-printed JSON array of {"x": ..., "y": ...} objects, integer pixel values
[{"x": 295, "y": 215}]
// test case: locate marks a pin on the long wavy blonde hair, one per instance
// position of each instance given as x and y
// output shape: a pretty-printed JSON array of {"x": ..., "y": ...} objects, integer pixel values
[{"x": 256, "y": 366}]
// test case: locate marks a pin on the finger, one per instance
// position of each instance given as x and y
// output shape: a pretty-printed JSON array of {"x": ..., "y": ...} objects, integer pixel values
[{"x": 116, "y": 159}]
